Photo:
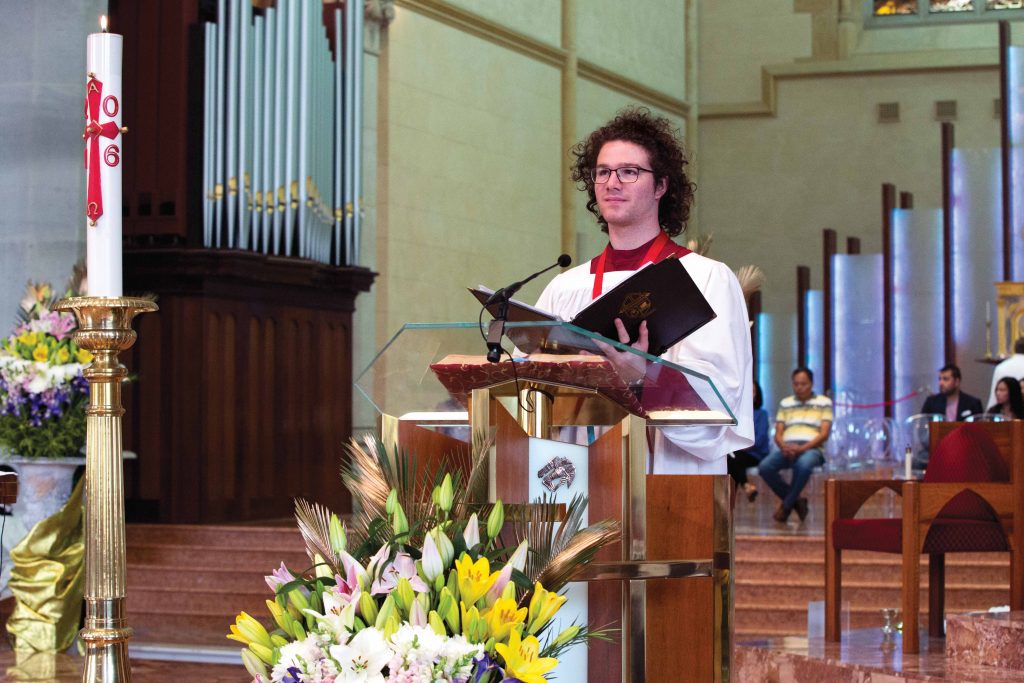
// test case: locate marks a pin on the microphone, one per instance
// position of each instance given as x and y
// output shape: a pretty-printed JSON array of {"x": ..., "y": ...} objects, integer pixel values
[{"x": 506, "y": 292}]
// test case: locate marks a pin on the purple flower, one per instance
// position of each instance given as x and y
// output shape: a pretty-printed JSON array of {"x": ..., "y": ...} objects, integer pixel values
[{"x": 484, "y": 666}]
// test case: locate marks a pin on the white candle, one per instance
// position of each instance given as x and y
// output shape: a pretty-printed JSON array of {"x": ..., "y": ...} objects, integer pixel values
[
  {"x": 103, "y": 154},
  {"x": 907, "y": 463}
]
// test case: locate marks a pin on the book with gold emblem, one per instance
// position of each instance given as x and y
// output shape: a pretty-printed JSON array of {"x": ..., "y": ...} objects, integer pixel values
[{"x": 663, "y": 294}]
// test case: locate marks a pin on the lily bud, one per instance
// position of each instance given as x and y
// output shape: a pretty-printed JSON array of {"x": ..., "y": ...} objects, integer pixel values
[
  {"x": 398, "y": 521},
  {"x": 495, "y": 520},
  {"x": 392, "y": 501},
  {"x": 390, "y": 628},
  {"x": 447, "y": 494},
  {"x": 566, "y": 635},
  {"x": 297, "y": 599},
  {"x": 436, "y": 623},
  {"x": 263, "y": 652},
  {"x": 281, "y": 618},
  {"x": 320, "y": 569},
  {"x": 368, "y": 608},
  {"x": 337, "y": 534},
  {"x": 252, "y": 630},
  {"x": 432, "y": 564},
  {"x": 444, "y": 547},
  {"x": 278, "y": 641},
  {"x": 403, "y": 595},
  {"x": 448, "y": 608},
  {"x": 387, "y": 611},
  {"x": 472, "y": 532},
  {"x": 254, "y": 665},
  {"x": 417, "y": 617}
]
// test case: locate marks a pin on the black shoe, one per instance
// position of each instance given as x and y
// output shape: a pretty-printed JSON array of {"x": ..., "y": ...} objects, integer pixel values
[
  {"x": 782, "y": 513},
  {"x": 801, "y": 508}
]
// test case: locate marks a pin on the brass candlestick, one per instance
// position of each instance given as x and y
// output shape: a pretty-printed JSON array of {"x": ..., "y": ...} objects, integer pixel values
[{"x": 105, "y": 329}]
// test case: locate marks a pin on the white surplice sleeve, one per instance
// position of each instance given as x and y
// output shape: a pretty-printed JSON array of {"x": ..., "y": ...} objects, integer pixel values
[{"x": 720, "y": 350}]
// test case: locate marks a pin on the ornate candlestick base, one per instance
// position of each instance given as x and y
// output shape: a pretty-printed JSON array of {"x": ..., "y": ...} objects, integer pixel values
[{"x": 105, "y": 329}]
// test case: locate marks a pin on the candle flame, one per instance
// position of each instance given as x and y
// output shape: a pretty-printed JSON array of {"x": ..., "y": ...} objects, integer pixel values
[{"x": 103, "y": 23}]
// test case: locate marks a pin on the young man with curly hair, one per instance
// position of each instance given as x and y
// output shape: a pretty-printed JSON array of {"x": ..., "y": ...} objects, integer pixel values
[{"x": 633, "y": 170}]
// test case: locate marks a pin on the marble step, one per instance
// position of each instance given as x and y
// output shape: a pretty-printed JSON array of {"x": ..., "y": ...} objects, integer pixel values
[
  {"x": 959, "y": 597},
  {"x": 263, "y": 558},
  {"x": 776, "y": 576}
]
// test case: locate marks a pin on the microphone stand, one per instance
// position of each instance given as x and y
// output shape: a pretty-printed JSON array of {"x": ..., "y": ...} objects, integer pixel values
[
  {"x": 496, "y": 330},
  {"x": 497, "y": 327}
]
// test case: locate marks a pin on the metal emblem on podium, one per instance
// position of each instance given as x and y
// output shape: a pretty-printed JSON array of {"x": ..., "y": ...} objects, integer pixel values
[{"x": 556, "y": 473}]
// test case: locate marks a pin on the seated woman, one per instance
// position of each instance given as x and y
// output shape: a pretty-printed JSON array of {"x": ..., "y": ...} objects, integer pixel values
[
  {"x": 1009, "y": 400},
  {"x": 740, "y": 461}
]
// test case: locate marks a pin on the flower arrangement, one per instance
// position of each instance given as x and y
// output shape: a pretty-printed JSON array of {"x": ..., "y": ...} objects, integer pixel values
[
  {"x": 42, "y": 391},
  {"x": 424, "y": 584}
]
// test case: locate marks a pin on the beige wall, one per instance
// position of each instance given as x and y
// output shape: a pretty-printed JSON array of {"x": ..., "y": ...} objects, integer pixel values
[{"x": 779, "y": 164}]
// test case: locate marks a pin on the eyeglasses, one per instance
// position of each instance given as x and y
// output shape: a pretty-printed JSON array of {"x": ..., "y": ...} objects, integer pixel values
[{"x": 625, "y": 174}]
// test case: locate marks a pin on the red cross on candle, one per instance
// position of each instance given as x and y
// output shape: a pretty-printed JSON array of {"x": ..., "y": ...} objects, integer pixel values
[{"x": 94, "y": 106}]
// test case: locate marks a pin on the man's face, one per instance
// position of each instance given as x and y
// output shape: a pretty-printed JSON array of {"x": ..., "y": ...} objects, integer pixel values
[
  {"x": 948, "y": 385},
  {"x": 802, "y": 386},
  {"x": 623, "y": 205}
]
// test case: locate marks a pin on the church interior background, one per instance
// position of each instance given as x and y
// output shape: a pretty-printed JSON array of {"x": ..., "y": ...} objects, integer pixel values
[{"x": 851, "y": 149}]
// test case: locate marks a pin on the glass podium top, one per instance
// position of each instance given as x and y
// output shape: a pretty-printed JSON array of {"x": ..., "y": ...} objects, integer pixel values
[{"x": 426, "y": 372}]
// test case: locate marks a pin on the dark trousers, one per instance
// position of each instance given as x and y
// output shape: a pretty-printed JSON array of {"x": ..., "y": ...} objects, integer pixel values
[{"x": 738, "y": 464}]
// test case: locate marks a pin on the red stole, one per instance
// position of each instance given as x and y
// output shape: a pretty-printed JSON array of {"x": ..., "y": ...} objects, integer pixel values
[{"x": 611, "y": 260}]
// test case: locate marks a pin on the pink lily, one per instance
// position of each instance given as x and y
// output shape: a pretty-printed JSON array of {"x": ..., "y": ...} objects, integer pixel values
[{"x": 403, "y": 567}]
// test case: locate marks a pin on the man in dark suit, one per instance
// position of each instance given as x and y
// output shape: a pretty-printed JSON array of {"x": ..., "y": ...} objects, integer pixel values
[{"x": 950, "y": 402}]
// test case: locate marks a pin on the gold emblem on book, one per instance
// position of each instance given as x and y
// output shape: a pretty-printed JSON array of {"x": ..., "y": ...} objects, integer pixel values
[{"x": 637, "y": 305}]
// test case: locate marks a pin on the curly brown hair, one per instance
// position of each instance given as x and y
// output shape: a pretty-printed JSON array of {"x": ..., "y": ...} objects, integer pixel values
[{"x": 668, "y": 160}]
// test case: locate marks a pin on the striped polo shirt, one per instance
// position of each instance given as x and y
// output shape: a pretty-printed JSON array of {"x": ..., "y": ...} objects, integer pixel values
[{"x": 802, "y": 419}]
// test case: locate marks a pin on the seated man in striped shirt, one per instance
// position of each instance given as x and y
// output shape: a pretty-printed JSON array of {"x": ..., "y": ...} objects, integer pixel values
[{"x": 801, "y": 429}]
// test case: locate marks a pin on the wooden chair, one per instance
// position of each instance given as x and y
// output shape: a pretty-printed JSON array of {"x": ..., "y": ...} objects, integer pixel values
[{"x": 971, "y": 500}]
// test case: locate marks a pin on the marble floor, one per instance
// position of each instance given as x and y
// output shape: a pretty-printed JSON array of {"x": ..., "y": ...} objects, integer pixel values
[
  {"x": 863, "y": 656},
  {"x": 64, "y": 668}
]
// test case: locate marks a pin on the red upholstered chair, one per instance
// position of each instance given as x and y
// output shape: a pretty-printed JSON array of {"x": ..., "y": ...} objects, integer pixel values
[{"x": 971, "y": 500}]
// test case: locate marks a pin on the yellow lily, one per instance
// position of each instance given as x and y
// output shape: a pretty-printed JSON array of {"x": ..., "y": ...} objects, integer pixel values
[
  {"x": 503, "y": 617},
  {"x": 41, "y": 353},
  {"x": 522, "y": 661},
  {"x": 543, "y": 606},
  {"x": 475, "y": 578},
  {"x": 83, "y": 356},
  {"x": 63, "y": 355}
]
